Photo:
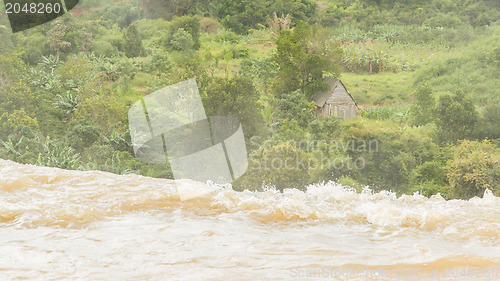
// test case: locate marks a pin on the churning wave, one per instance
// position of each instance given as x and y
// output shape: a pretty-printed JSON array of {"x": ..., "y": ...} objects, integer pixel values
[
  {"x": 59, "y": 224},
  {"x": 31, "y": 196}
]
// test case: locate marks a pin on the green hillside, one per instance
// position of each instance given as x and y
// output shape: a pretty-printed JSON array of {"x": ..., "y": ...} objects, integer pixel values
[{"x": 425, "y": 76}]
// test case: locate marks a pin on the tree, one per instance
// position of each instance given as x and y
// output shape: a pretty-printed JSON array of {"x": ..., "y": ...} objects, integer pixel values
[
  {"x": 6, "y": 44},
  {"x": 181, "y": 40},
  {"x": 133, "y": 42},
  {"x": 235, "y": 97},
  {"x": 123, "y": 14},
  {"x": 456, "y": 117},
  {"x": 276, "y": 24},
  {"x": 161, "y": 63},
  {"x": 300, "y": 10},
  {"x": 304, "y": 55},
  {"x": 474, "y": 167},
  {"x": 487, "y": 126},
  {"x": 15, "y": 93},
  {"x": 282, "y": 166},
  {"x": 422, "y": 110},
  {"x": 169, "y": 8},
  {"x": 189, "y": 26},
  {"x": 56, "y": 37},
  {"x": 241, "y": 15},
  {"x": 294, "y": 106}
]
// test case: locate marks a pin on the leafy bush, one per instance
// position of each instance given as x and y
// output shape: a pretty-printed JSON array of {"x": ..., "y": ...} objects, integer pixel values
[
  {"x": 102, "y": 110},
  {"x": 209, "y": 25},
  {"x": 444, "y": 20},
  {"x": 132, "y": 42},
  {"x": 103, "y": 47},
  {"x": 456, "y": 117},
  {"x": 123, "y": 14},
  {"x": 189, "y": 25},
  {"x": 487, "y": 126},
  {"x": 262, "y": 70},
  {"x": 235, "y": 97},
  {"x": 125, "y": 68},
  {"x": 276, "y": 166},
  {"x": 239, "y": 52},
  {"x": 160, "y": 62},
  {"x": 294, "y": 106},
  {"x": 386, "y": 154},
  {"x": 240, "y": 16},
  {"x": 429, "y": 189},
  {"x": 429, "y": 172},
  {"x": 226, "y": 36},
  {"x": 82, "y": 134},
  {"x": 300, "y": 10},
  {"x": 475, "y": 166},
  {"x": 422, "y": 110},
  {"x": 181, "y": 40},
  {"x": 9, "y": 121}
]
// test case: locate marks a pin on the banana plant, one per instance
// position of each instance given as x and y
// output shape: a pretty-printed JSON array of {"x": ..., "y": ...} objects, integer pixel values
[
  {"x": 11, "y": 148},
  {"x": 68, "y": 103},
  {"x": 58, "y": 154},
  {"x": 51, "y": 62}
]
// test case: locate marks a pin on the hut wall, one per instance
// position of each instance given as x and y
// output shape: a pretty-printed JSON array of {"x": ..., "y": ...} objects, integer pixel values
[{"x": 340, "y": 104}]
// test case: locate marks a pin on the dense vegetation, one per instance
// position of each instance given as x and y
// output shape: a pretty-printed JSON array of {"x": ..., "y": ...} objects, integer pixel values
[{"x": 425, "y": 74}]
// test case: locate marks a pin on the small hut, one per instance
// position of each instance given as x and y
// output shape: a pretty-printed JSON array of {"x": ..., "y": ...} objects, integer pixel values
[{"x": 335, "y": 101}]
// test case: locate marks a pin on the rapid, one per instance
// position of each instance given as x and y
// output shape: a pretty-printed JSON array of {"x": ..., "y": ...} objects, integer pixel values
[{"x": 73, "y": 225}]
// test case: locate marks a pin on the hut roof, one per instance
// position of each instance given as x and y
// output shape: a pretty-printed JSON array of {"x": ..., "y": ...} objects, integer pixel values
[{"x": 321, "y": 97}]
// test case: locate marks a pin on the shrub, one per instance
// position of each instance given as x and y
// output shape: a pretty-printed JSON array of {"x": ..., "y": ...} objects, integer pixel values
[
  {"x": 126, "y": 69},
  {"x": 281, "y": 166},
  {"x": 191, "y": 25},
  {"x": 226, "y": 36},
  {"x": 240, "y": 16},
  {"x": 294, "y": 106},
  {"x": 429, "y": 188},
  {"x": 160, "y": 62},
  {"x": 209, "y": 25},
  {"x": 104, "y": 48},
  {"x": 422, "y": 109},
  {"x": 102, "y": 110},
  {"x": 235, "y": 97},
  {"x": 123, "y": 14},
  {"x": 456, "y": 117},
  {"x": 181, "y": 40},
  {"x": 9, "y": 121},
  {"x": 487, "y": 127},
  {"x": 386, "y": 153},
  {"x": 348, "y": 182},
  {"x": 82, "y": 135},
  {"x": 383, "y": 113},
  {"x": 430, "y": 171},
  {"x": 239, "y": 52},
  {"x": 444, "y": 20},
  {"x": 132, "y": 42}
]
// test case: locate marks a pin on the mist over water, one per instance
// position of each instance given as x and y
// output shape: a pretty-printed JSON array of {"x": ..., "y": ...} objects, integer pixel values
[{"x": 57, "y": 225}]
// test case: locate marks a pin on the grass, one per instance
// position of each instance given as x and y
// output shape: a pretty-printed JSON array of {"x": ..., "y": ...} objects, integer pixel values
[
  {"x": 386, "y": 89},
  {"x": 474, "y": 69}
]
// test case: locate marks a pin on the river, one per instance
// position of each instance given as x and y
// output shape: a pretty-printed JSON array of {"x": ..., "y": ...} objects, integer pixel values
[{"x": 73, "y": 225}]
